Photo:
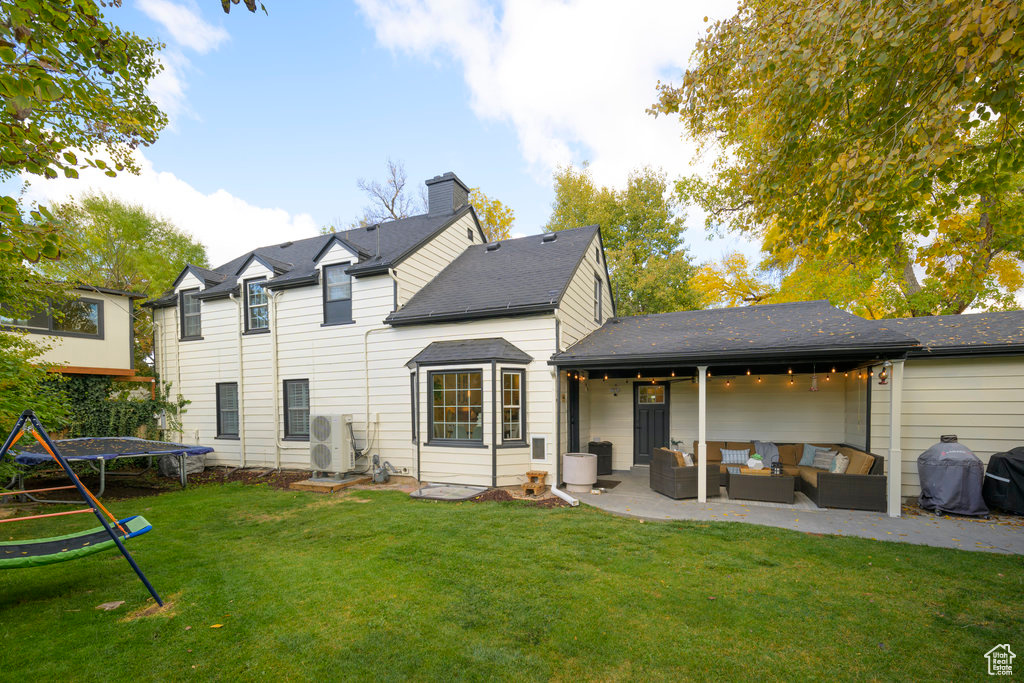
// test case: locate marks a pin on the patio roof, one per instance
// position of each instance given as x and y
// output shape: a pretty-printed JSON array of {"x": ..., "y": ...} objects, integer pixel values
[{"x": 769, "y": 333}]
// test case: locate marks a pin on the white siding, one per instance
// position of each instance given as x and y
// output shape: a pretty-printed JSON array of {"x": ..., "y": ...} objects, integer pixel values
[
  {"x": 773, "y": 410},
  {"x": 981, "y": 400},
  {"x": 332, "y": 358},
  {"x": 422, "y": 266},
  {"x": 856, "y": 410},
  {"x": 577, "y": 307}
]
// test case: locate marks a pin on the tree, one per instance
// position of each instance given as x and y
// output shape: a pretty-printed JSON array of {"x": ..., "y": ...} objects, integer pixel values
[
  {"x": 496, "y": 219},
  {"x": 390, "y": 199},
  {"x": 113, "y": 244},
  {"x": 641, "y": 226},
  {"x": 74, "y": 91},
  {"x": 885, "y": 132}
]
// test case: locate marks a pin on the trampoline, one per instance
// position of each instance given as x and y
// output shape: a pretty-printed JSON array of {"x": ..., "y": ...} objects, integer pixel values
[
  {"x": 111, "y": 534},
  {"x": 98, "y": 450}
]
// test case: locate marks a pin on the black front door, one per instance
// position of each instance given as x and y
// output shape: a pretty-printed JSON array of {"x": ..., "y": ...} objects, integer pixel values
[
  {"x": 650, "y": 420},
  {"x": 574, "y": 415}
]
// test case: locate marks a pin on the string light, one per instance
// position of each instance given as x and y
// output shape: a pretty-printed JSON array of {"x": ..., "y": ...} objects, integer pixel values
[
  {"x": 606, "y": 378},
  {"x": 728, "y": 383},
  {"x": 792, "y": 381},
  {"x": 828, "y": 377},
  {"x": 791, "y": 371},
  {"x": 846, "y": 374},
  {"x": 709, "y": 373},
  {"x": 748, "y": 372},
  {"x": 833, "y": 368},
  {"x": 758, "y": 380},
  {"x": 638, "y": 375},
  {"x": 673, "y": 373}
]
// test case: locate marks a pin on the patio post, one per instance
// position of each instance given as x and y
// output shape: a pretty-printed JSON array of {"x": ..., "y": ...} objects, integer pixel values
[
  {"x": 702, "y": 446},
  {"x": 895, "y": 428}
]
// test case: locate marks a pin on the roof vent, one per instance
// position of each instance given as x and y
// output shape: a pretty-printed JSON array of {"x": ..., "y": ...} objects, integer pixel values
[
  {"x": 493, "y": 246},
  {"x": 371, "y": 228},
  {"x": 549, "y": 237},
  {"x": 285, "y": 245}
]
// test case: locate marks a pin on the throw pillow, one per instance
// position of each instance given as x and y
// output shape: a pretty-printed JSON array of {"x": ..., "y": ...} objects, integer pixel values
[
  {"x": 689, "y": 459},
  {"x": 735, "y": 457},
  {"x": 808, "y": 457},
  {"x": 680, "y": 460},
  {"x": 823, "y": 458},
  {"x": 839, "y": 464}
]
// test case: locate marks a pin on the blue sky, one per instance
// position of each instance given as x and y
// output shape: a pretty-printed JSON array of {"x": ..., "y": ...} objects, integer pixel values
[{"x": 273, "y": 118}]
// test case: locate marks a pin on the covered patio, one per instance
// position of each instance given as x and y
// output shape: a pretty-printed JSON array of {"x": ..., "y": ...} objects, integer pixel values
[
  {"x": 799, "y": 373},
  {"x": 632, "y": 497}
]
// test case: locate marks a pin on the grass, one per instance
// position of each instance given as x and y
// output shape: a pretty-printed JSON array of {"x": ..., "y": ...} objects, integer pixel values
[{"x": 376, "y": 585}]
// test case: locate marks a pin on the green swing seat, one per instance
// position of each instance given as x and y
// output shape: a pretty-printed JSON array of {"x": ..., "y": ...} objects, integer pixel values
[{"x": 37, "y": 552}]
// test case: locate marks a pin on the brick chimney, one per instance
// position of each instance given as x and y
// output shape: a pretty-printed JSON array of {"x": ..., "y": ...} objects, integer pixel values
[{"x": 446, "y": 194}]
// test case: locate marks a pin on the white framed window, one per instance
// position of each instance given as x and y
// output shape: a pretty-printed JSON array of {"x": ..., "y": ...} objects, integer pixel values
[
  {"x": 257, "y": 308},
  {"x": 456, "y": 406},
  {"x": 296, "y": 409},
  {"x": 513, "y": 410},
  {"x": 191, "y": 315},
  {"x": 598, "y": 286},
  {"x": 337, "y": 294}
]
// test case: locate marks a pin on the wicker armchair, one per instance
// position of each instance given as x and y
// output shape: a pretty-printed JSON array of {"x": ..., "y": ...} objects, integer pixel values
[{"x": 669, "y": 479}]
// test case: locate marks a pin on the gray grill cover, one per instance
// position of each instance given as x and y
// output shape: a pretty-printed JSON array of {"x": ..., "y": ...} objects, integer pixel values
[{"x": 951, "y": 480}]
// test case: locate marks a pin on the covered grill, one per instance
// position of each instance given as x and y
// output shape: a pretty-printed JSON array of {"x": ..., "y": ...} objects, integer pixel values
[
  {"x": 1004, "y": 481},
  {"x": 951, "y": 479}
]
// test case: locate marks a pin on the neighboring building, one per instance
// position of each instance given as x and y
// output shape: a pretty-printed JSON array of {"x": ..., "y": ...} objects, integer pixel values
[
  {"x": 92, "y": 334},
  {"x": 436, "y": 343}
]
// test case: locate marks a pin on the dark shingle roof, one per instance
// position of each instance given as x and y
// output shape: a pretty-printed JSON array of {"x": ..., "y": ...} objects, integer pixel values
[
  {"x": 964, "y": 333},
  {"x": 724, "y": 334},
  {"x": 524, "y": 275},
  {"x": 379, "y": 247},
  {"x": 469, "y": 351}
]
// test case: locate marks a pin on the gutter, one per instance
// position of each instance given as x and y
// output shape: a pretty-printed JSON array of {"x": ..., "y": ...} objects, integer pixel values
[
  {"x": 241, "y": 385},
  {"x": 718, "y": 356}
]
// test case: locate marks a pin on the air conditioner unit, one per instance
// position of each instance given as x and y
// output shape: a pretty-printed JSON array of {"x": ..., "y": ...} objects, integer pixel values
[{"x": 330, "y": 443}]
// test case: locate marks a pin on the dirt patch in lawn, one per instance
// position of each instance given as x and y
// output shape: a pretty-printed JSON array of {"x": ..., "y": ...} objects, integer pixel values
[
  {"x": 169, "y": 610},
  {"x": 505, "y": 495}
]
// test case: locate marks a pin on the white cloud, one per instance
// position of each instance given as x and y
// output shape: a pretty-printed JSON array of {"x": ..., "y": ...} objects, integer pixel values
[
  {"x": 226, "y": 225},
  {"x": 185, "y": 24},
  {"x": 573, "y": 78},
  {"x": 167, "y": 89}
]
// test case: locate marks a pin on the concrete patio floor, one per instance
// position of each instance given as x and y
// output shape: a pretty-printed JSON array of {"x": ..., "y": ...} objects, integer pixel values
[{"x": 633, "y": 497}]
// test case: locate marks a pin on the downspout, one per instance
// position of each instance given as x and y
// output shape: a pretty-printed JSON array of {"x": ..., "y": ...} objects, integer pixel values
[
  {"x": 177, "y": 364},
  {"x": 556, "y": 373},
  {"x": 366, "y": 386},
  {"x": 276, "y": 375},
  {"x": 158, "y": 357},
  {"x": 494, "y": 424},
  {"x": 241, "y": 386}
]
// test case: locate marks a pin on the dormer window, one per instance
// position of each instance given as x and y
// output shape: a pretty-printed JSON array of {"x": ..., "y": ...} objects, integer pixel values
[
  {"x": 257, "y": 308},
  {"x": 337, "y": 294},
  {"x": 191, "y": 315}
]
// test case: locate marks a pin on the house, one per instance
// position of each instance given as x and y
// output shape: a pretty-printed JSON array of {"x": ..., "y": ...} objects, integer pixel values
[
  {"x": 469, "y": 362},
  {"x": 91, "y": 334},
  {"x": 434, "y": 341},
  {"x": 802, "y": 372}
]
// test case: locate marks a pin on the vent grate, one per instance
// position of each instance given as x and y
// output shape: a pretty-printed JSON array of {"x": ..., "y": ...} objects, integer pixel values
[
  {"x": 320, "y": 454},
  {"x": 549, "y": 237},
  {"x": 321, "y": 428},
  {"x": 538, "y": 448},
  {"x": 494, "y": 246}
]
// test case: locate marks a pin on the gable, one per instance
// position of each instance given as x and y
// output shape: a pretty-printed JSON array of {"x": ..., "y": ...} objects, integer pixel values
[
  {"x": 336, "y": 253},
  {"x": 255, "y": 269},
  {"x": 188, "y": 280}
]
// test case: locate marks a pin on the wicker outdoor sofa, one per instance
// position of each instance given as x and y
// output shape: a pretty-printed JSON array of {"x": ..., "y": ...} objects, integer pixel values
[
  {"x": 861, "y": 487},
  {"x": 671, "y": 478}
]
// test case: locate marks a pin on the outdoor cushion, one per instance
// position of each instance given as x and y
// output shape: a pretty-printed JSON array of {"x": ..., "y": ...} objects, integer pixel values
[
  {"x": 735, "y": 457},
  {"x": 860, "y": 463},
  {"x": 789, "y": 454},
  {"x": 809, "y": 474},
  {"x": 740, "y": 446},
  {"x": 807, "y": 460},
  {"x": 680, "y": 460},
  {"x": 791, "y": 470},
  {"x": 714, "y": 450},
  {"x": 839, "y": 464},
  {"x": 823, "y": 458}
]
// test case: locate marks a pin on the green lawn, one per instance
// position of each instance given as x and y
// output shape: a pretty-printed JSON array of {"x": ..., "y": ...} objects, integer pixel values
[{"x": 376, "y": 585}]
